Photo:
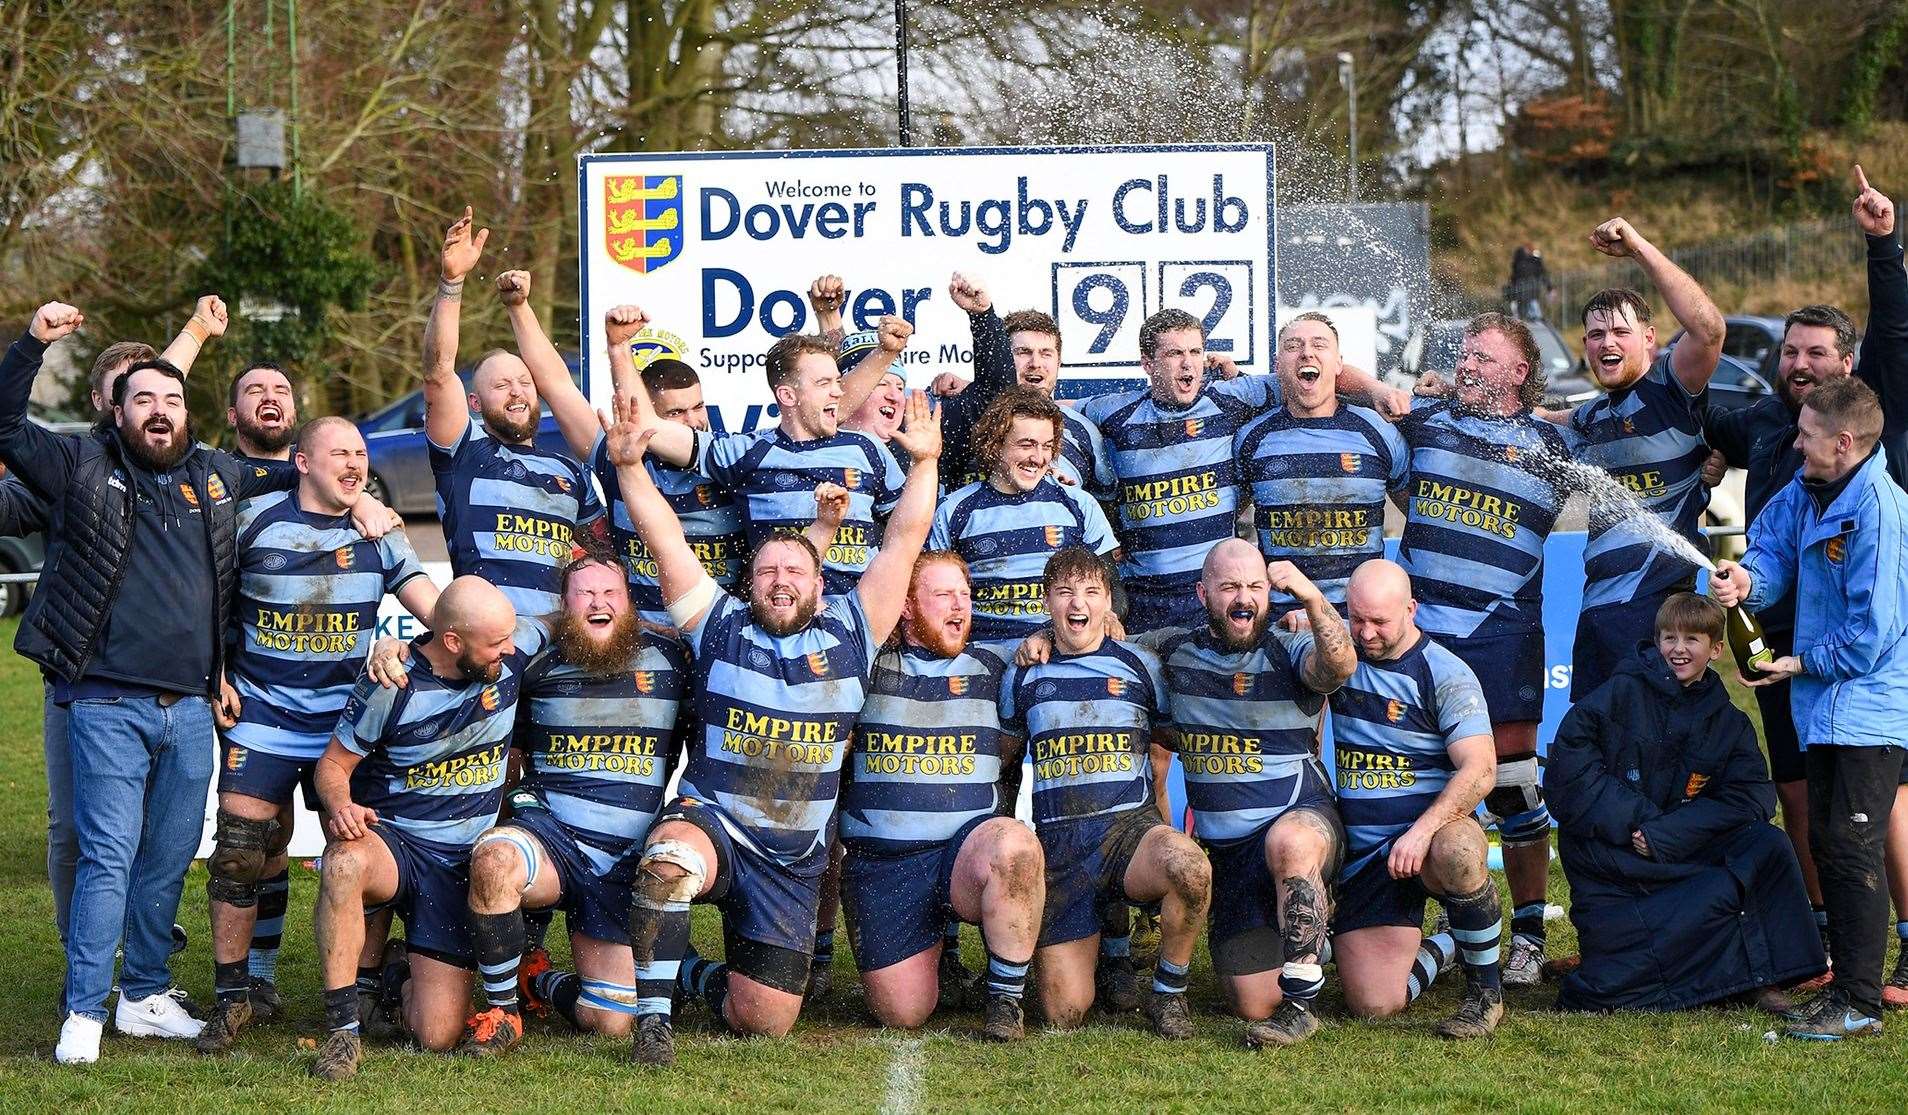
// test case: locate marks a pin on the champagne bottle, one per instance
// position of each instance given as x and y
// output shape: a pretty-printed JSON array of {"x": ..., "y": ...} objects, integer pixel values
[{"x": 1746, "y": 639}]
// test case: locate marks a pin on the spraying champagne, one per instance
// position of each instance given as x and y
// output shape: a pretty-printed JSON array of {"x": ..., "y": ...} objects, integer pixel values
[{"x": 1746, "y": 639}]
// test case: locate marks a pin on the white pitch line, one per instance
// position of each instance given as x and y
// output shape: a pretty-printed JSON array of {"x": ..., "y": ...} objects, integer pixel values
[{"x": 903, "y": 1093}]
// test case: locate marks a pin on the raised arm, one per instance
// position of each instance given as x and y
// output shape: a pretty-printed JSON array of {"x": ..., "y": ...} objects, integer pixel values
[
  {"x": 670, "y": 442},
  {"x": 678, "y": 571},
  {"x": 446, "y": 408},
  {"x": 825, "y": 296},
  {"x": 860, "y": 383},
  {"x": 572, "y": 411},
  {"x": 1330, "y": 662},
  {"x": 1884, "y": 364},
  {"x": 1694, "y": 359},
  {"x": 43, "y": 460},
  {"x": 884, "y": 586},
  {"x": 993, "y": 348},
  {"x": 831, "y": 506},
  {"x": 208, "y": 320}
]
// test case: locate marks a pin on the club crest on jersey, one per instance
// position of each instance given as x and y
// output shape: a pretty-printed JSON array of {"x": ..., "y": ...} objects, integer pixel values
[
  {"x": 490, "y": 698},
  {"x": 1348, "y": 462},
  {"x": 1629, "y": 427},
  {"x": 956, "y": 686},
  {"x": 214, "y": 487},
  {"x": 642, "y": 219},
  {"x": 235, "y": 758},
  {"x": 346, "y": 557},
  {"x": 1195, "y": 427},
  {"x": 562, "y": 484},
  {"x": 704, "y": 496},
  {"x": 1242, "y": 683},
  {"x": 1510, "y": 454},
  {"x": 186, "y": 490},
  {"x": 1838, "y": 549},
  {"x": 818, "y": 663},
  {"x": 1056, "y": 536},
  {"x": 1116, "y": 687},
  {"x": 851, "y": 478},
  {"x": 645, "y": 681},
  {"x": 1394, "y": 710},
  {"x": 1695, "y": 785}
]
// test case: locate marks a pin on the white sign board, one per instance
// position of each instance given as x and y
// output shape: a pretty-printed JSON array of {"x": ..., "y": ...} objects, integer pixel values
[{"x": 720, "y": 248}]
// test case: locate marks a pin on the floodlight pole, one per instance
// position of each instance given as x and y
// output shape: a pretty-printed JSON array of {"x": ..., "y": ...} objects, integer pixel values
[
  {"x": 901, "y": 70},
  {"x": 1348, "y": 77}
]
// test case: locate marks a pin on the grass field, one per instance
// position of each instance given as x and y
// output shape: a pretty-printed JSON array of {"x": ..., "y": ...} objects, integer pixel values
[{"x": 1539, "y": 1061}]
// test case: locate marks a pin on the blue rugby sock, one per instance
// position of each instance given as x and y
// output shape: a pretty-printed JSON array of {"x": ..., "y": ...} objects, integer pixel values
[
  {"x": 1117, "y": 946},
  {"x": 1435, "y": 953},
  {"x": 1004, "y": 977},
  {"x": 1169, "y": 978},
  {"x": 1477, "y": 923}
]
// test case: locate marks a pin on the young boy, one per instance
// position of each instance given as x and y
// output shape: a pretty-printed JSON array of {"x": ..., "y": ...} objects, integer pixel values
[{"x": 1681, "y": 891}]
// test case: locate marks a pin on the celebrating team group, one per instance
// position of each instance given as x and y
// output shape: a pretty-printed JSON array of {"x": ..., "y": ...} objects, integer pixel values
[{"x": 840, "y": 636}]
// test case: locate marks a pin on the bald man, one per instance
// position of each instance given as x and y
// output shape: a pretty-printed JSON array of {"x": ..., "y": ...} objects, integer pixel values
[
  {"x": 1414, "y": 756},
  {"x": 411, "y": 778}
]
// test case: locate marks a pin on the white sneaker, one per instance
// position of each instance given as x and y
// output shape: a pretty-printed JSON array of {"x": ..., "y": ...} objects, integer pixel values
[
  {"x": 79, "y": 1041},
  {"x": 1524, "y": 967},
  {"x": 156, "y": 1016}
]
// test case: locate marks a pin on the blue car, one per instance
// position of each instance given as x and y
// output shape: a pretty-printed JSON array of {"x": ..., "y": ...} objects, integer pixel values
[{"x": 400, "y": 457}]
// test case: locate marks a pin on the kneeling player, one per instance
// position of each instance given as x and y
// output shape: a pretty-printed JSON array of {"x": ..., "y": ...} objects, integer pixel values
[
  {"x": 410, "y": 779},
  {"x": 920, "y": 815},
  {"x": 1088, "y": 714},
  {"x": 1245, "y": 698},
  {"x": 1413, "y": 751}
]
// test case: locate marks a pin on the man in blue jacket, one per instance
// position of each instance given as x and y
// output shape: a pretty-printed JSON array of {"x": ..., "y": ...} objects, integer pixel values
[{"x": 1836, "y": 537}]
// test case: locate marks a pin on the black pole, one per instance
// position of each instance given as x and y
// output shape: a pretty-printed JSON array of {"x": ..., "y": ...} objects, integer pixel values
[{"x": 901, "y": 70}]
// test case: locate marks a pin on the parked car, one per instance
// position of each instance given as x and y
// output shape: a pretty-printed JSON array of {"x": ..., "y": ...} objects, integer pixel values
[
  {"x": 1752, "y": 347},
  {"x": 400, "y": 457}
]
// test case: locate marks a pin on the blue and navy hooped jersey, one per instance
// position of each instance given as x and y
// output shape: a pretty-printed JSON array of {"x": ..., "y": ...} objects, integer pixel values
[
  {"x": 1243, "y": 724},
  {"x": 1318, "y": 491},
  {"x": 774, "y": 478},
  {"x": 509, "y": 512},
  {"x": 599, "y": 748},
  {"x": 308, "y": 596},
  {"x": 1006, "y": 541},
  {"x": 434, "y": 750},
  {"x": 776, "y": 716},
  {"x": 1178, "y": 477},
  {"x": 1088, "y": 720},
  {"x": 711, "y": 521},
  {"x": 1393, "y": 725},
  {"x": 1650, "y": 437},
  {"x": 1479, "y": 509},
  {"x": 1083, "y": 459},
  {"x": 927, "y": 750}
]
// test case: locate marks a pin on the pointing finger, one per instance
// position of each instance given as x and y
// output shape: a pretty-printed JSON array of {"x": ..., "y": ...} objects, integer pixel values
[{"x": 1861, "y": 180}]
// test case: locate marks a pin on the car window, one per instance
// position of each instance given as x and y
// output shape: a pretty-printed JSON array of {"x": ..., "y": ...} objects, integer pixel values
[{"x": 1750, "y": 342}]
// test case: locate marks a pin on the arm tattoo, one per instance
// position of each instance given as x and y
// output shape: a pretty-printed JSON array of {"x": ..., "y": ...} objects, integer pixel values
[{"x": 1330, "y": 642}]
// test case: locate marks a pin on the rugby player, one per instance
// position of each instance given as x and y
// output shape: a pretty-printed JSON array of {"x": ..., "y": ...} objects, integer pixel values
[
  {"x": 1319, "y": 469},
  {"x": 262, "y": 410},
  {"x": 781, "y": 681},
  {"x": 926, "y": 815},
  {"x": 1243, "y": 702},
  {"x": 1483, "y": 493},
  {"x": 509, "y": 507},
  {"x": 1413, "y": 753},
  {"x": 411, "y": 778},
  {"x": 309, "y": 588},
  {"x": 1089, "y": 714}
]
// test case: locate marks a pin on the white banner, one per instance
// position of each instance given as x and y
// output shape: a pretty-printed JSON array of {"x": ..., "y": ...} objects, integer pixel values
[{"x": 720, "y": 248}]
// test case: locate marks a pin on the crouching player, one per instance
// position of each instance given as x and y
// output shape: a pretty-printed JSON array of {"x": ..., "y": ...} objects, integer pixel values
[
  {"x": 1088, "y": 714},
  {"x": 781, "y": 679},
  {"x": 1245, "y": 698},
  {"x": 921, "y": 815},
  {"x": 411, "y": 778},
  {"x": 1413, "y": 751}
]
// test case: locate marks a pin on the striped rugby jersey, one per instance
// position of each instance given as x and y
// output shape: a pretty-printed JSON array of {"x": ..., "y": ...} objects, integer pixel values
[
  {"x": 1006, "y": 541},
  {"x": 509, "y": 512},
  {"x": 927, "y": 751},
  {"x": 711, "y": 521},
  {"x": 1318, "y": 491},
  {"x": 599, "y": 749},
  {"x": 434, "y": 750},
  {"x": 1178, "y": 477},
  {"x": 1477, "y": 513},
  {"x": 1393, "y": 725},
  {"x": 776, "y": 715},
  {"x": 308, "y": 596},
  {"x": 1088, "y": 721},
  {"x": 1649, "y": 436},
  {"x": 1243, "y": 724},
  {"x": 773, "y": 477}
]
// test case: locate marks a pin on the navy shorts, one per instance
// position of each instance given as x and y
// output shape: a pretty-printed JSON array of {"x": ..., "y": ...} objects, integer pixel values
[
  {"x": 1607, "y": 638},
  {"x": 593, "y": 905},
  {"x": 1242, "y": 927},
  {"x": 898, "y": 905},
  {"x": 1368, "y": 896},
  {"x": 761, "y": 899},
  {"x": 1509, "y": 668},
  {"x": 1086, "y": 869},
  {"x": 433, "y": 896},
  {"x": 263, "y": 775}
]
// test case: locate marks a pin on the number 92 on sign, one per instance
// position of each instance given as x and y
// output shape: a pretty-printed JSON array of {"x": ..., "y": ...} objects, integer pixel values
[{"x": 1100, "y": 306}]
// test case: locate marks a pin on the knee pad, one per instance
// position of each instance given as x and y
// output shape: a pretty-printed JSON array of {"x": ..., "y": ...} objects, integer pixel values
[
  {"x": 655, "y": 887},
  {"x": 526, "y": 847},
  {"x": 240, "y": 848},
  {"x": 1517, "y": 802}
]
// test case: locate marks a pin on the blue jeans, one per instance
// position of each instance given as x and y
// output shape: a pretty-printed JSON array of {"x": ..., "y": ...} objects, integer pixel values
[
  {"x": 62, "y": 842},
  {"x": 140, "y": 774}
]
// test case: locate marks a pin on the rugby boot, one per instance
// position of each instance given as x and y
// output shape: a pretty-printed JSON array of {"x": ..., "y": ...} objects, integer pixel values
[
  {"x": 338, "y": 1057},
  {"x": 1477, "y": 1016},
  {"x": 654, "y": 1042},
  {"x": 1524, "y": 964},
  {"x": 1005, "y": 1022},
  {"x": 1895, "y": 991},
  {"x": 381, "y": 1015},
  {"x": 263, "y": 995},
  {"x": 821, "y": 977},
  {"x": 491, "y": 1033},
  {"x": 957, "y": 982},
  {"x": 1170, "y": 1015},
  {"x": 1292, "y": 1023},
  {"x": 222, "y": 1030},
  {"x": 536, "y": 961},
  {"x": 1115, "y": 984},
  {"x": 1829, "y": 1017}
]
